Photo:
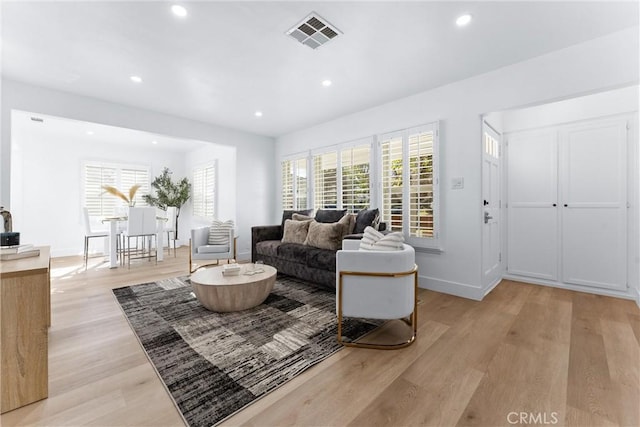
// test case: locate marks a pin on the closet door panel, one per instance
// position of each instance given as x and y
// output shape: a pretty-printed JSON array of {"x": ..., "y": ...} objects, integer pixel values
[
  {"x": 532, "y": 242},
  {"x": 594, "y": 204}
]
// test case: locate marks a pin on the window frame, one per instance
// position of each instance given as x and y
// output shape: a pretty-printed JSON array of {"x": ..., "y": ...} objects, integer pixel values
[
  {"x": 433, "y": 242},
  {"x": 294, "y": 159}
]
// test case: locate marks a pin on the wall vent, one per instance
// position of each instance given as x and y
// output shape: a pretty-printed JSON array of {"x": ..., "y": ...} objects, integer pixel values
[
  {"x": 314, "y": 31},
  {"x": 37, "y": 119}
]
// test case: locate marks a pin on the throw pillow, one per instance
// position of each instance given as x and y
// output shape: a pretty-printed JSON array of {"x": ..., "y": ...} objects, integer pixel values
[
  {"x": 349, "y": 221},
  {"x": 300, "y": 217},
  {"x": 219, "y": 232},
  {"x": 373, "y": 240},
  {"x": 325, "y": 236},
  {"x": 288, "y": 213},
  {"x": 329, "y": 215},
  {"x": 366, "y": 218},
  {"x": 295, "y": 231}
]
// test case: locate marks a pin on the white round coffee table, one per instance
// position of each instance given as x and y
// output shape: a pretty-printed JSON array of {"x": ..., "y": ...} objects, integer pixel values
[{"x": 221, "y": 293}]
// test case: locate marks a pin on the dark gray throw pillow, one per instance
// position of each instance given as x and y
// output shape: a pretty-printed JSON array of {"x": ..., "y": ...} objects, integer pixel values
[
  {"x": 330, "y": 215},
  {"x": 366, "y": 218},
  {"x": 288, "y": 214}
]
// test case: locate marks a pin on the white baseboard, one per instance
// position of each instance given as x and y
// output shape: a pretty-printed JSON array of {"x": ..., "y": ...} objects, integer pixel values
[
  {"x": 452, "y": 288},
  {"x": 637, "y": 292},
  {"x": 629, "y": 294}
]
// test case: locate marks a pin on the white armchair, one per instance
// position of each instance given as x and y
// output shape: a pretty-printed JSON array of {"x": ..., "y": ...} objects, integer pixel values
[
  {"x": 201, "y": 250},
  {"x": 376, "y": 285}
]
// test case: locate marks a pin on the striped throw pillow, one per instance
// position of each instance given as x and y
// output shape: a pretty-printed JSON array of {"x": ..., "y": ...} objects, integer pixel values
[
  {"x": 219, "y": 232},
  {"x": 373, "y": 240}
]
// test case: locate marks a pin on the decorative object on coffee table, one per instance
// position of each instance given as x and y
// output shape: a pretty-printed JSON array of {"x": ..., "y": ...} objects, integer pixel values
[
  {"x": 223, "y": 293},
  {"x": 215, "y": 364}
]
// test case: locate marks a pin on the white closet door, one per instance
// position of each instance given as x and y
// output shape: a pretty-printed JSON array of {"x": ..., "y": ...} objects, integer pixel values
[
  {"x": 532, "y": 211},
  {"x": 594, "y": 204}
]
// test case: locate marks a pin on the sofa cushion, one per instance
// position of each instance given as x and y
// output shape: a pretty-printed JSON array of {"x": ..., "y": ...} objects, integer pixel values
[
  {"x": 268, "y": 247},
  {"x": 293, "y": 252},
  {"x": 300, "y": 217},
  {"x": 366, "y": 218},
  {"x": 325, "y": 236},
  {"x": 323, "y": 259},
  {"x": 288, "y": 213},
  {"x": 349, "y": 220},
  {"x": 219, "y": 232},
  {"x": 295, "y": 231},
  {"x": 212, "y": 249},
  {"x": 374, "y": 240},
  {"x": 329, "y": 215}
]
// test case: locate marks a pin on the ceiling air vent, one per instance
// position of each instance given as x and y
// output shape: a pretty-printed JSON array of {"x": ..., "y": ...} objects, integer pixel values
[{"x": 313, "y": 31}]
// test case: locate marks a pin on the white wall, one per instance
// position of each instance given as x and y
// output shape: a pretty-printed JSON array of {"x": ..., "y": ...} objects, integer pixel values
[
  {"x": 255, "y": 167},
  {"x": 618, "y": 101},
  {"x": 597, "y": 65}
]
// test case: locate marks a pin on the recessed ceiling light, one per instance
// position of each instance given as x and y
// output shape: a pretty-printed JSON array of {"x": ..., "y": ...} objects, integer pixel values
[
  {"x": 326, "y": 83},
  {"x": 463, "y": 20},
  {"x": 154, "y": 142},
  {"x": 258, "y": 113},
  {"x": 136, "y": 79},
  {"x": 179, "y": 10},
  {"x": 89, "y": 132}
]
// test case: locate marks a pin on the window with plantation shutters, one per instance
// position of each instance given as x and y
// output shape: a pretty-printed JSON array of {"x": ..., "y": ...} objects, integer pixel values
[
  {"x": 325, "y": 180},
  {"x": 130, "y": 177},
  {"x": 122, "y": 177},
  {"x": 204, "y": 191},
  {"x": 392, "y": 181},
  {"x": 355, "y": 174},
  {"x": 294, "y": 183},
  {"x": 409, "y": 190},
  {"x": 342, "y": 177}
]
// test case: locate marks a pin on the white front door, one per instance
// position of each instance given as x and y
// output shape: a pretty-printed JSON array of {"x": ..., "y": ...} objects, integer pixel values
[{"x": 491, "y": 204}]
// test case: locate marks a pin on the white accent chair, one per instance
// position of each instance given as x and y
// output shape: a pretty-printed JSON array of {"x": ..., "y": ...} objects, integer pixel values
[
  {"x": 201, "y": 250},
  {"x": 141, "y": 222},
  {"x": 91, "y": 232},
  {"x": 376, "y": 285},
  {"x": 170, "y": 227}
]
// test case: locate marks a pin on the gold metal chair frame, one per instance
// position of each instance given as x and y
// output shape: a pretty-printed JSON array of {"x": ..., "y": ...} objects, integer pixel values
[
  {"x": 413, "y": 322},
  {"x": 192, "y": 270}
]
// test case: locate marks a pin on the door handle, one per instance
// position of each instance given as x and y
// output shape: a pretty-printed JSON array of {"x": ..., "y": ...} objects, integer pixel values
[{"x": 487, "y": 217}]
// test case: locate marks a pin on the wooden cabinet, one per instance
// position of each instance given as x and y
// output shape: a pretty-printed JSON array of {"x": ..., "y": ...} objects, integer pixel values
[
  {"x": 567, "y": 204},
  {"x": 25, "y": 315}
]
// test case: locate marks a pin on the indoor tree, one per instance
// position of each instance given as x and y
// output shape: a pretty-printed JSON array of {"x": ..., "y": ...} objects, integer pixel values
[{"x": 169, "y": 193}]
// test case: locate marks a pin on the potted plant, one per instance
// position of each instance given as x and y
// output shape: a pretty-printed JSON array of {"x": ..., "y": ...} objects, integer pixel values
[{"x": 169, "y": 193}]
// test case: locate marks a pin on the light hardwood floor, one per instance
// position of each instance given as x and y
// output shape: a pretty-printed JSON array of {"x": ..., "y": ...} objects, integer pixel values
[{"x": 550, "y": 353}]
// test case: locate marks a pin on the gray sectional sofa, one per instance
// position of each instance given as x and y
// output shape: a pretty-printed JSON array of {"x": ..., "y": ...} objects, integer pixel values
[{"x": 306, "y": 262}]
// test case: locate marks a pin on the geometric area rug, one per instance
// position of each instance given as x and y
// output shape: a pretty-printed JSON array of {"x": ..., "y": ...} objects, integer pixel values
[{"x": 215, "y": 364}]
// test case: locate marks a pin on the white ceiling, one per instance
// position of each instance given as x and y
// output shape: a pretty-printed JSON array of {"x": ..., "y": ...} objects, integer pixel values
[
  {"x": 61, "y": 129},
  {"x": 226, "y": 60}
]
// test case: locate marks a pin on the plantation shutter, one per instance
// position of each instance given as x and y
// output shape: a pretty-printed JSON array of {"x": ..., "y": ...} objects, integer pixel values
[
  {"x": 421, "y": 184},
  {"x": 301, "y": 183},
  {"x": 392, "y": 181},
  {"x": 287, "y": 184},
  {"x": 355, "y": 178},
  {"x": 204, "y": 191},
  {"x": 98, "y": 202},
  {"x": 325, "y": 179},
  {"x": 130, "y": 177}
]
